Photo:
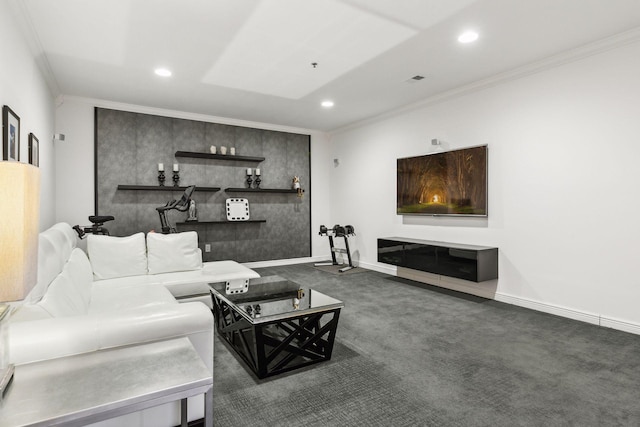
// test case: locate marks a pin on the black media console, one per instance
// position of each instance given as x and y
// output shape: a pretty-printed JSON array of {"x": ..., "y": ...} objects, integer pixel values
[{"x": 467, "y": 262}]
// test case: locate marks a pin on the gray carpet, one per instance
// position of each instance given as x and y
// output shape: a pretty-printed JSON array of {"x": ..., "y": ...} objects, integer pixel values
[{"x": 409, "y": 354}]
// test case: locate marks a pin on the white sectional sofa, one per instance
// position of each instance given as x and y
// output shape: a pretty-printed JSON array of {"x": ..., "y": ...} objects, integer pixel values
[{"x": 122, "y": 291}]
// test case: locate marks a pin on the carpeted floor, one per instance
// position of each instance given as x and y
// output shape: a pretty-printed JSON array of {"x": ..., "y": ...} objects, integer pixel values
[{"x": 414, "y": 355}]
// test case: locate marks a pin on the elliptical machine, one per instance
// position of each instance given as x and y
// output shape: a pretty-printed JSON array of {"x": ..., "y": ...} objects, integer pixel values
[
  {"x": 181, "y": 205},
  {"x": 338, "y": 231},
  {"x": 95, "y": 228}
]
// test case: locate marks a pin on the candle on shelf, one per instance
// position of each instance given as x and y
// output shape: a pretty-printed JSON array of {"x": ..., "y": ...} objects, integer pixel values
[
  {"x": 258, "y": 171},
  {"x": 160, "y": 167},
  {"x": 175, "y": 167},
  {"x": 249, "y": 172}
]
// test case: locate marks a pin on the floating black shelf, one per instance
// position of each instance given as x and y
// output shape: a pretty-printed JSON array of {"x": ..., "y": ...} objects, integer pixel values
[
  {"x": 164, "y": 188},
  {"x": 260, "y": 190},
  {"x": 201, "y": 155},
  {"x": 224, "y": 221}
]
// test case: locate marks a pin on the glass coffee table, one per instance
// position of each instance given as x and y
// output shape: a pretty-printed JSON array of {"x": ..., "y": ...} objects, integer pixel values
[{"x": 275, "y": 325}]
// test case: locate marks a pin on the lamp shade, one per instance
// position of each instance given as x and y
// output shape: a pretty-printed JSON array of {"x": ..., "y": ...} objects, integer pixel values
[{"x": 19, "y": 226}]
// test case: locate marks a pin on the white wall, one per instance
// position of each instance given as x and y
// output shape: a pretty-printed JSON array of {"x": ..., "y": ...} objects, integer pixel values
[
  {"x": 563, "y": 183},
  {"x": 24, "y": 90},
  {"x": 75, "y": 161},
  {"x": 75, "y": 164}
]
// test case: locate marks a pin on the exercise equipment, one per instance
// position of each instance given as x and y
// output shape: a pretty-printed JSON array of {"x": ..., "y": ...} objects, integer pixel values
[
  {"x": 181, "y": 205},
  {"x": 95, "y": 228},
  {"x": 338, "y": 231}
]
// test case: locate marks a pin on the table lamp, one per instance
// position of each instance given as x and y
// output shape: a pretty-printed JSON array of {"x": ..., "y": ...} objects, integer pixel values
[{"x": 19, "y": 226}]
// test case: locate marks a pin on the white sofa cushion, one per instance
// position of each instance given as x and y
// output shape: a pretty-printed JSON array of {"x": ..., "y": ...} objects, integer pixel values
[
  {"x": 62, "y": 299},
  {"x": 173, "y": 252},
  {"x": 79, "y": 269},
  {"x": 192, "y": 283},
  {"x": 128, "y": 281},
  {"x": 109, "y": 299},
  {"x": 50, "y": 264},
  {"x": 69, "y": 233},
  {"x": 117, "y": 256},
  {"x": 60, "y": 240},
  {"x": 214, "y": 271}
]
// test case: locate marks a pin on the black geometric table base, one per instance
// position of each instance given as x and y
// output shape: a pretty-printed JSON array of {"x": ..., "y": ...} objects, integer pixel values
[{"x": 278, "y": 346}]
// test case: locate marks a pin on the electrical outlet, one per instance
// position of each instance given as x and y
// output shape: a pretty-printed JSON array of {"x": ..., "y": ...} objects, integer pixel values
[{"x": 207, "y": 247}]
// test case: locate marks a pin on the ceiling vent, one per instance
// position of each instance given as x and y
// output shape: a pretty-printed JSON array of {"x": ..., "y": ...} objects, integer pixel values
[{"x": 415, "y": 78}]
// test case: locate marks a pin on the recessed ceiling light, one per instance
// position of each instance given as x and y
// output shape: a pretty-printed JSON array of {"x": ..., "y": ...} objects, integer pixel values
[
  {"x": 163, "y": 72},
  {"x": 327, "y": 104},
  {"x": 468, "y": 37}
]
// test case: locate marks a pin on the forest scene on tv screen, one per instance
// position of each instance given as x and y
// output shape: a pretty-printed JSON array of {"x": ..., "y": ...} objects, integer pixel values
[{"x": 449, "y": 183}]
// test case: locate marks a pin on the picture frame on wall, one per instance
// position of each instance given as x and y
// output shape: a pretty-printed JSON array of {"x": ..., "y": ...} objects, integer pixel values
[
  {"x": 10, "y": 135},
  {"x": 34, "y": 150}
]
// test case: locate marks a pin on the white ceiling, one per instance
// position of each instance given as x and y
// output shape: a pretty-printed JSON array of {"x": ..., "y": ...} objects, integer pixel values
[{"x": 251, "y": 59}]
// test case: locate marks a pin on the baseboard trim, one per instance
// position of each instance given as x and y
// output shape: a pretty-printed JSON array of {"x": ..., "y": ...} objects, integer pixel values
[
  {"x": 281, "y": 262},
  {"x": 548, "y": 308},
  {"x": 620, "y": 325},
  {"x": 385, "y": 269},
  {"x": 594, "y": 319}
]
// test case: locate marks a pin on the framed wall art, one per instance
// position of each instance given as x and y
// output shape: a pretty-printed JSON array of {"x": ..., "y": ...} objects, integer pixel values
[
  {"x": 10, "y": 135},
  {"x": 34, "y": 150}
]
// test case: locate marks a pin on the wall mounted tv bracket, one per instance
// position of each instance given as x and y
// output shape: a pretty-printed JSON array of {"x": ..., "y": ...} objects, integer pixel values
[{"x": 338, "y": 231}]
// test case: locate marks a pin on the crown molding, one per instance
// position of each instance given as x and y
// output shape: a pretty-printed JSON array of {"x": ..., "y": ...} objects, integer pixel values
[
  {"x": 176, "y": 114},
  {"x": 554, "y": 61}
]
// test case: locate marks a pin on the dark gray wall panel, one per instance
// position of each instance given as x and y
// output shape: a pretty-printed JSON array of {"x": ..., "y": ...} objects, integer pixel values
[{"x": 129, "y": 147}]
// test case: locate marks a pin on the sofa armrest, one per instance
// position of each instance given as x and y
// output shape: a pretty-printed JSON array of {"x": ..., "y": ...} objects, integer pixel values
[
  {"x": 188, "y": 283},
  {"x": 154, "y": 324},
  {"x": 57, "y": 337},
  {"x": 35, "y": 340}
]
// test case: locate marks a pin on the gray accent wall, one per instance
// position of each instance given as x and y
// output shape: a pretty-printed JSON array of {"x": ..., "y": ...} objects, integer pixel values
[{"x": 129, "y": 147}]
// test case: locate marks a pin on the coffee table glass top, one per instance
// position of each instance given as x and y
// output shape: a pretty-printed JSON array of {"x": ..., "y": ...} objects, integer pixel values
[{"x": 274, "y": 298}]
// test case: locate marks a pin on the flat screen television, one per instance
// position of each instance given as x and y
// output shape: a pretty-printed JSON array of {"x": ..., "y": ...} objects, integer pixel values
[{"x": 445, "y": 183}]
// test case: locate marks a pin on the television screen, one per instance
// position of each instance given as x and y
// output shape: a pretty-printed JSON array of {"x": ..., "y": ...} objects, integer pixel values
[{"x": 445, "y": 183}]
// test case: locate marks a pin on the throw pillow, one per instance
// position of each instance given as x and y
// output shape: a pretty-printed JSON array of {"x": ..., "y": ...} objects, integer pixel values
[
  {"x": 173, "y": 252},
  {"x": 113, "y": 257}
]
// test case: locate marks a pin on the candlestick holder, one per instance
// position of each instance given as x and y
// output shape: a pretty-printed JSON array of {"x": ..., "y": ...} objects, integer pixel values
[
  {"x": 249, "y": 181},
  {"x": 258, "y": 181},
  {"x": 176, "y": 178},
  {"x": 161, "y": 178}
]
